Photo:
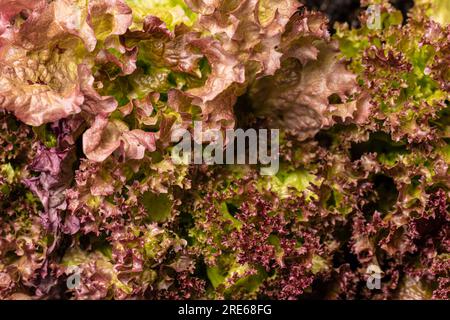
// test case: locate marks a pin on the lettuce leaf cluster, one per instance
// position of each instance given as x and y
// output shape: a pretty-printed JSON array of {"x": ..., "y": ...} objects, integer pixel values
[{"x": 92, "y": 90}]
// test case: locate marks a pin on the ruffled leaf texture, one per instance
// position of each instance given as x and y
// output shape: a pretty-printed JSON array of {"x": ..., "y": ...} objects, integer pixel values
[
  {"x": 313, "y": 88},
  {"x": 48, "y": 60},
  {"x": 44, "y": 59}
]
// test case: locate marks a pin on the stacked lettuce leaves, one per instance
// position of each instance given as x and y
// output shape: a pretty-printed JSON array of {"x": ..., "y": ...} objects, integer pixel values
[{"x": 92, "y": 90}]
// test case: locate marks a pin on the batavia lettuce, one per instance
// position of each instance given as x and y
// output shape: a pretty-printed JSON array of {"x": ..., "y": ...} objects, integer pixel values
[{"x": 92, "y": 90}]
